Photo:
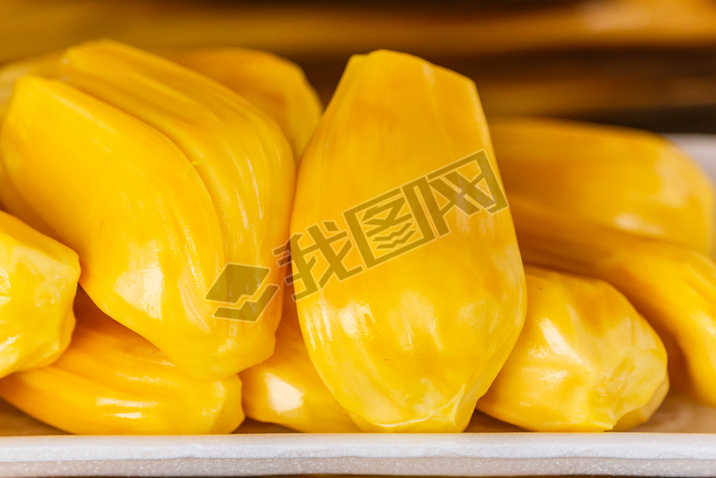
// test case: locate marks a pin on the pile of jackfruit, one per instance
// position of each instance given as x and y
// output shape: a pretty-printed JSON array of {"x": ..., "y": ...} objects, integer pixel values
[{"x": 188, "y": 239}]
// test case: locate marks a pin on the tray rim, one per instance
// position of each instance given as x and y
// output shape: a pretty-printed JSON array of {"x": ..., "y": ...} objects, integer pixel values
[{"x": 466, "y": 454}]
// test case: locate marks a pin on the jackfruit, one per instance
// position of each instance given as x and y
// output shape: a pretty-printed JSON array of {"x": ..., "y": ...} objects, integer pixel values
[
  {"x": 673, "y": 287},
  {"x": 409, "y": 317},
  {"x": 585, "y": 360},
  {"x": 111, "y": 381},
  {"x": 628, "y": 179},
  {"x": 161, "y": 180}
]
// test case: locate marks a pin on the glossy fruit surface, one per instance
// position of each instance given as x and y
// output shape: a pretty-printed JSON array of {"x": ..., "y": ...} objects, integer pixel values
[
  {"x": 287, "y": 390},
  {"x": 38, "y": 281},
  {"x": 673, "y": 287},
  {"x": 275, "y": 85},
  {"x": 584, "y": 360},
  {"x": 112, "y": 381},
  {"x": 629, "y": 179},
  {"x": 158, "y": 178},
  {"x": 430, "y": 300}
]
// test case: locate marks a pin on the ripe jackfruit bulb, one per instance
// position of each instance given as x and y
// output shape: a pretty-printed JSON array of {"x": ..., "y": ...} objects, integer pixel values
[
  {"x": 673, "y": 287},
  {"x": 274, "y": 85},
  {"x": 286, "y": 388},
  {"x": 111, "y": 381},
  {"x": 585, "y": 360},
  {"x": 628, "y": 179},
  {"x": 9, "y": 74},
  {"x": 158, "y": 178},
  {"x": 408, "y": 326},
  {"x": 38, "y": 281}
]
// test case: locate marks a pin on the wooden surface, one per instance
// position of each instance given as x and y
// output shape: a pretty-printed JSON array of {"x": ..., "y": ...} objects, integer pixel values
[
  {"x": 331, "y": 29},
  {"x": 645, "y": 63}
]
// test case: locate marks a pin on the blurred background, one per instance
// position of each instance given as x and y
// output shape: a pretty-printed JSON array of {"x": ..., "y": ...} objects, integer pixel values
[{"x": 643, "y": 63}]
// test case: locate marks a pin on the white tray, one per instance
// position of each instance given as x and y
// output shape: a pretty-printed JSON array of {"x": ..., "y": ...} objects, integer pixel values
[{"x": 680, "y": 440}]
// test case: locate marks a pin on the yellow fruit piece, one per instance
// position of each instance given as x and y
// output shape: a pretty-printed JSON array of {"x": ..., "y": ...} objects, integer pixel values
[
  {"x": 38, "y": 280},
  {"x": 287, "y": 390},
  {"x": 584, "y": 360},
  {"x": 409, "y": 343},
  {"x": 9, "y": 74},
  {"x": 673, "y": 287},
  {"x": 643, "y": 414},
  {"x": 275, "y": 85},
  {"x": 111, "y": 381},
  {"x": 158, "y": 178},
  {"x": 628, "y": 179}
]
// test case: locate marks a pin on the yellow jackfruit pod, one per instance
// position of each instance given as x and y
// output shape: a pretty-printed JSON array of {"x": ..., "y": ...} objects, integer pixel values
[
  {"x": 287, "y": 390},
  {"x": 673, "y": 287},
  {"x": 642, "y": 414},
  {"x": 38, "y": 281},
  {"x": 585, "y": 360},
  {"x": 629, "y": 179},
  {"x": 9, "y": 74},
  {"x": 275, "y": 85},
  {"x": 160, "y": 179},
  {"x": 409, "y": 317},
  {"x": 111, "y": 381}
]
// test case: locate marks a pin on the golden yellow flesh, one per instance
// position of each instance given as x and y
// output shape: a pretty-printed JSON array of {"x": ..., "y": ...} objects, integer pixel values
[
  {"x": 38, "y": 280},
  {"x": 286, "y": 389},
  {"x": 643, "y": 414},
  {"x": 159, "y": 177},
  {"x": 111, "y": 381},
  {"x": 408, "y": 345},
  {"x": 110, "y": 185},
  {"x": 673, "y": 287},
  {"x": 275, "y": 85},
  {"x": 585, "y": 359},
  {"x": 163, "y": 177},
  {"x": 632, "y": 180},
  {"x": 10, "y": 73}
]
